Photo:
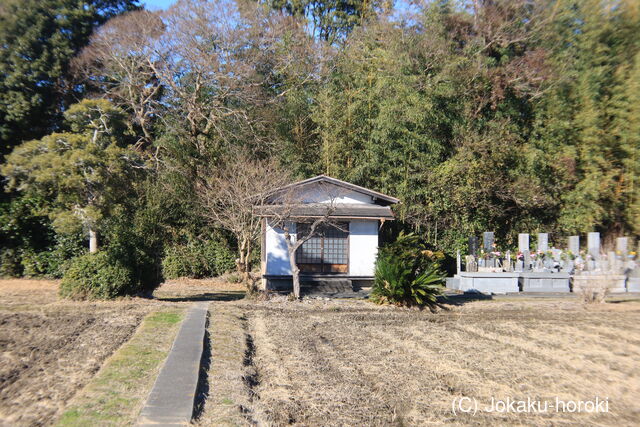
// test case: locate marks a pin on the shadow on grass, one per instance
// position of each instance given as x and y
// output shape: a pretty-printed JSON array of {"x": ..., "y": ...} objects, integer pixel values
[
  {"x": 461, "y": 299},
  {"x": 631, "y": 298},
  {"x": 202, "y": 389},
  {"x": 206, "y": 296}
]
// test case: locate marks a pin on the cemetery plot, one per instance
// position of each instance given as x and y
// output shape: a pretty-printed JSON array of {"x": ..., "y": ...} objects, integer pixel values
[{"x": 548, "y": 270}]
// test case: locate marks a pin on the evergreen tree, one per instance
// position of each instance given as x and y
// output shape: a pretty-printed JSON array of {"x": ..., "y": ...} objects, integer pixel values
[
  {"x": 83, "y": 174},
  {"x": 599, "y": 100},
  {"x": 38, "y": 38},
  {"x": 331, "y": 20}
]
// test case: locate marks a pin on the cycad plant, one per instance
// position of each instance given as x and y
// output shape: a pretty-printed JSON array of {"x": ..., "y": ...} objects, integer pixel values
[
  {"x": 407, "y": 274},
  {"x": 427, "y": 286}
]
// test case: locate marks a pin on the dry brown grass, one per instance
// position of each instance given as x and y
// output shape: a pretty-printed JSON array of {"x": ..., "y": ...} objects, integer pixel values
[
  {"x": 184, "y": 288},
  {"x": 229, "y": 394},
  {"x": 353, "y": 363},
  {"x": 23, "y": 293},
  {"x": 50, "y": 348}
]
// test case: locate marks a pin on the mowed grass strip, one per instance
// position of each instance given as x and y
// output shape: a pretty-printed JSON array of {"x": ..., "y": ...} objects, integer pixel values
[{"x": 118, "y": 391}]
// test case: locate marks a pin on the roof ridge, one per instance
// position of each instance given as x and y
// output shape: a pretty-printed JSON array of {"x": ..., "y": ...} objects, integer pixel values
[{"x": 336, "y": 181}]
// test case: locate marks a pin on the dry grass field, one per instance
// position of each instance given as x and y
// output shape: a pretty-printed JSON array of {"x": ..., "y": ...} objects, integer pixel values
[
  {"x": 51, "y": 348},
  {"x": 353, "y": 363},
  {"x": 323, "y": 362}
]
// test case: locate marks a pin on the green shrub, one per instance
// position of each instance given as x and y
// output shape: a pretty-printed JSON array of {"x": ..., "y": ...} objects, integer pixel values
[
  {"x": 199, "y": 259},
  {"x": 128, "y": 249},
  {"x": 97, "y": 276},
  {"x": 407, "y": 273},
  {"x": 10, "y": 262},
  {"x": 51, "y": 262},
  {"x": 177, "y": 263},
  {"x": 224, "y": 257},
  {"x": 234, "y": 278},
  {"x": 36, "y": 264}
]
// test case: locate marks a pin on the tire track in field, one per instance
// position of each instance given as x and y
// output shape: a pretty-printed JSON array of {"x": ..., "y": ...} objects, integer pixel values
[
  {"x": 295, "y": 346},
  {"x": 617, "y": 336},
  {"x": 275, "y": 403},
  {"x": 497, "y": 380},
  {"x": 507, "y": 371}
]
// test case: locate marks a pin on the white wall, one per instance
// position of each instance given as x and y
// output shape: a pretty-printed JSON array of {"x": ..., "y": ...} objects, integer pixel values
[
  {"x": 326, "y": 193},
  {"x": 276, "y": 246},
  {"x": 363, "y": 247}
]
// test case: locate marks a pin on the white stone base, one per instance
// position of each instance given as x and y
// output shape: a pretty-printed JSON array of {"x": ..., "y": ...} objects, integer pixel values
[
  {"x": 488, "y": 283},
  {"x": 545, "y": 282},
  {"x": 633, "y": 284}
]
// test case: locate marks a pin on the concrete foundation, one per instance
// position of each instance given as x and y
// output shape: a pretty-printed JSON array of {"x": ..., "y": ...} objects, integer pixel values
[
  {"x": 490, "y": 283},
  {"x": 323, "y": 284},
  {"x": 544, "y": 282},
  {"x": 633, "y": 284},
  {"x": 453, "y": 283}
]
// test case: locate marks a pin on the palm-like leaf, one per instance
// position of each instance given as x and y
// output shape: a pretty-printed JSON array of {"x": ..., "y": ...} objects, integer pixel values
[{"x": 397, "y": 283}]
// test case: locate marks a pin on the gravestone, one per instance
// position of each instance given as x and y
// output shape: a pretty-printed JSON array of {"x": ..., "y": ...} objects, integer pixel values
[
  {"x": 539, "y": 265},
  {"x": 471, "y": 265},
  {"x": 519, "y": 266},
  {"x": 549, "y": 264},
  {"x": 593, "y": 244},
  {"x": 507, "y": 261},
  {"x": 523, "y": 242},
  {"x": 473, "y": 246},
  {"x": 574, "y": 245},
  {"x": 458, "y": 262},
  {"x": 621, "y": 245},
  {"x": 633, "y": 277},
  {"x": 543, "y": 242},
  {"x": 527, "y": 260},
  {"x": 613, "y": 261},
  {"x": 487, "y": 241},
  {"x": 567, "y": 266}
]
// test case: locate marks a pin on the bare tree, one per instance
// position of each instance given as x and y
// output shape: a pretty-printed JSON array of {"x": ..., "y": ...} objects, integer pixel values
[
  {"x": 293, "y": 246},
  {"x": 228, "y": 194},
  {"x": 217, "y": 66},
  {"x": 219, "y": 62},
  {"x": 120, "y": 63}
]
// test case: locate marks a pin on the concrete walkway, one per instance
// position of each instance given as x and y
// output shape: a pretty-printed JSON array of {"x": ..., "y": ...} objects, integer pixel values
[{"x": 171, "y": 400}]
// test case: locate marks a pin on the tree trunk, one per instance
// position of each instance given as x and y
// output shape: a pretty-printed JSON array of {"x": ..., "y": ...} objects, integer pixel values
[
  {"x": 93, "y": 241},
  {"x": 240, "y": 262},
  {"x": 247, "y": 262},
  {"x": 295, "y": 273},
  {"x": 243, "y": 265},
  {"x": 247, "y": 259}
]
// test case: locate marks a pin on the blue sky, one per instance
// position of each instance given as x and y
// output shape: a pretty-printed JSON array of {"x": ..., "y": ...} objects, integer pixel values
[{"x": 157, "y": 4}]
